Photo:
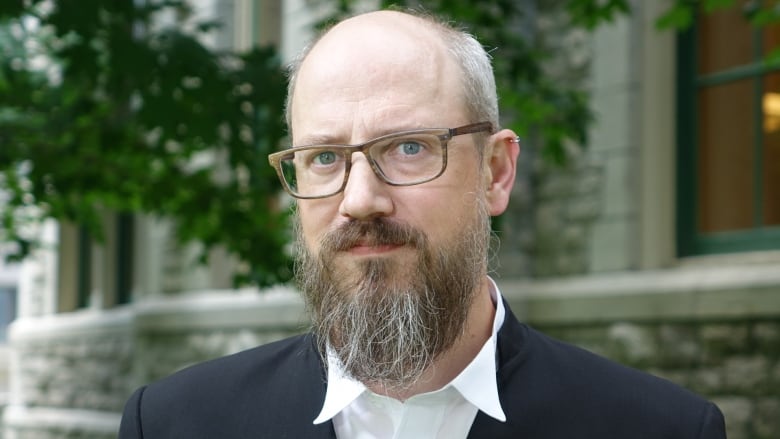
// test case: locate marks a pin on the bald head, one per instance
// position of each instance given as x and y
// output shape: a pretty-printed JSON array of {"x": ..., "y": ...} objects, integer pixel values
[
  {"x": 388, "y": 31},
  {"x": 389, "y": 48}
]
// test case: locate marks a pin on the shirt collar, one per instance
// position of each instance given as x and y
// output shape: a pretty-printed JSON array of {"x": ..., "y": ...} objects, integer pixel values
[
  {"x": 476, "y": 383},
  {"x": 342, "y": 390}
]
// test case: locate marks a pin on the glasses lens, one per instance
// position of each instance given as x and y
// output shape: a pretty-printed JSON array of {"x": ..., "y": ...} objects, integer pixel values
[
  {"x": 314, "y": 172},
  {"x": 409, "y": 158}
]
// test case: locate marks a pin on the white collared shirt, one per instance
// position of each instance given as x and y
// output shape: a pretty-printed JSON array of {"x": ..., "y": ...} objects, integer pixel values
[{"x": 359, "y": 413}]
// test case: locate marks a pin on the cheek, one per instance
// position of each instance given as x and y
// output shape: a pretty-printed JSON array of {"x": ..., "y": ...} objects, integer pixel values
[
  {"x": 315, "y": 217},
  {"x": 440, "y": 214}
]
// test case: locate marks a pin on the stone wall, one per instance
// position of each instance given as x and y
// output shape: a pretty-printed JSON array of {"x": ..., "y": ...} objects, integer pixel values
[
  {"x": 176, "y": 332},
  {"x": 72, "y": 373},
  {"x": 734, "y": 363},
  {"x": 58, "y": 432},
  {"x": 164, "y": 353},
  {"x": 568, "y": 202},
  {"x": 75, "y": 372}
]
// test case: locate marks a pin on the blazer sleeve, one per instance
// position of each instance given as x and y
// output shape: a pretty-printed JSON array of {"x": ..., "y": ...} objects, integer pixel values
[
  {"x": 130, "y": 426},
  {"x": 713, "y": 425}
]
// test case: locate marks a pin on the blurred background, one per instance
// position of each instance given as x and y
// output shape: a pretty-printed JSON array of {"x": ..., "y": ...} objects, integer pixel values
[{"x": 142, "y": 229}]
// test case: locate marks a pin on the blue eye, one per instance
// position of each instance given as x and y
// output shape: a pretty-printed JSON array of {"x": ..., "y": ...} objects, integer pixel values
[
  {"x": 325, "y": 158},
  {"x": 410, "y": 148}
]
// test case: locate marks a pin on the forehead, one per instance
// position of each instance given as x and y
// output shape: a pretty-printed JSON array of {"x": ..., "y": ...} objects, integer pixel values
[{"x": 376, "y": 71}]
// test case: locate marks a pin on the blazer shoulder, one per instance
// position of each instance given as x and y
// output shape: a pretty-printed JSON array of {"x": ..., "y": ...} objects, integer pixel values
[
  {"x": 542, "y": 378},
  {"x": 577, "y": 368},
  {"x": 280, "y": 384},
  {"x": 276, "y": 363},
  {"x": 563, "y": 366},
  {"x": 260, "y": 357}
]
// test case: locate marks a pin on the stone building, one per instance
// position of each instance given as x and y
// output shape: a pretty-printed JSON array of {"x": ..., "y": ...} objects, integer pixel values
[{"x": 658, "y": 245}]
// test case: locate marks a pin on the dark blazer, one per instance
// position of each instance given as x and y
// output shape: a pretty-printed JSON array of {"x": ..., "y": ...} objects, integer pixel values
[{"x": 548, "y": 389}]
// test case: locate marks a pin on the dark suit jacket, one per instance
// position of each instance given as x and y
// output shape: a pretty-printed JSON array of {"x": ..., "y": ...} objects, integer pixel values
[{"x": 548, "y": 389}]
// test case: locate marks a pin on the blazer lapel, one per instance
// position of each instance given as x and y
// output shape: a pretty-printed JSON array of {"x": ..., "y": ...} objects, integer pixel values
[
  {"x": 315, "y": 386},
  {"x": 510, "y": 354}
]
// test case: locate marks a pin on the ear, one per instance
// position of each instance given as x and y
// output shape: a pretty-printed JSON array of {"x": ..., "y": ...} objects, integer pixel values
[{"x": 500, "y": 168}]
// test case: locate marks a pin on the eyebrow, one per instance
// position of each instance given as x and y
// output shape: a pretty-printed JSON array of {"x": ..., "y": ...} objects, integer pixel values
[
  {"x": 324, "y": 139},
  {"x": 318, "y": 139}
]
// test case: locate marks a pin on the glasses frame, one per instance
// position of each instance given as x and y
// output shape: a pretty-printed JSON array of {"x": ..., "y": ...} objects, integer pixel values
[{"x": 276, "y": 158}]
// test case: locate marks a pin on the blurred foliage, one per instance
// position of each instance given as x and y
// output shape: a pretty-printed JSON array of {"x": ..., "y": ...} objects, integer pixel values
[
  {"x": 759, "y": 13},
  {"x": 106, "y": 108},
  {"x": 103, "y": 108},
  {"x": 682, "y": 12},
  {"x": 551, "y": 111}
]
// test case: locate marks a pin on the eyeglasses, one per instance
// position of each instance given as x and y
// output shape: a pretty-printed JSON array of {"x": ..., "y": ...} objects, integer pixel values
[{"x": 400, "y": 159}]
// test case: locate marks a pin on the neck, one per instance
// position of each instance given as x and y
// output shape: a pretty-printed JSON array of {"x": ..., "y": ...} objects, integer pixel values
[{"x": 477, "y": 330}]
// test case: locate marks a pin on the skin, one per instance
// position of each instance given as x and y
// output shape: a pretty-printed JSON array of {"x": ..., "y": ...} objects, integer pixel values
[{"x": 385, "y": 72}]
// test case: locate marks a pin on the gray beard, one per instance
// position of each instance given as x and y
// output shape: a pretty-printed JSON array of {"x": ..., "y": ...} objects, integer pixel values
[{"x": 387, "y": 324}]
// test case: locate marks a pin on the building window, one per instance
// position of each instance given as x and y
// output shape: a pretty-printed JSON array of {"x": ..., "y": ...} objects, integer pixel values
[
  {"x": 7, "y": 310},
  {"x": 728, "y": 135},
  {"x": 84, "y": 258},
  {"x": 125, "y": 226},
  {"x": 96, "y": 274}
]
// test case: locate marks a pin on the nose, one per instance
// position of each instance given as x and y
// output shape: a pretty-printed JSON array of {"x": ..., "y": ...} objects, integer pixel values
[{"x": 365, "y": 196}]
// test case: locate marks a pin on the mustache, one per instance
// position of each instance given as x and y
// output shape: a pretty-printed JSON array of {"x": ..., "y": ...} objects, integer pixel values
[{"x": 376, "y": 232}]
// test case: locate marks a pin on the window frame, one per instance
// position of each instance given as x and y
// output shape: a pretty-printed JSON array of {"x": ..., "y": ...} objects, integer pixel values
[{"x": 690, "y": 241}]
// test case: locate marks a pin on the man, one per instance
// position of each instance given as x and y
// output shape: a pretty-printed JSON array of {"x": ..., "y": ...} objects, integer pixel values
[{"x": 411, "y": 338}]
